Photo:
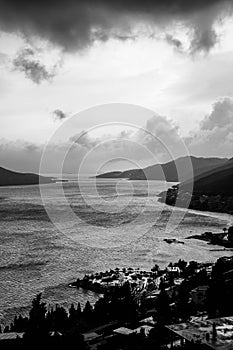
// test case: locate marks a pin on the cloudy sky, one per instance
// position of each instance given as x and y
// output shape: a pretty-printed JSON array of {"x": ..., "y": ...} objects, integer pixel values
[{"x": 57, "y": 58}]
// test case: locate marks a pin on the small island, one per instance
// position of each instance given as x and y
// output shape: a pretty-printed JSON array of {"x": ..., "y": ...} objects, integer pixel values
[{"x": 173, "y": 240}]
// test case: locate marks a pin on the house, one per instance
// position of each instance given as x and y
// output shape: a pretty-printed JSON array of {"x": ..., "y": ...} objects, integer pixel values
[
  {"x": 216, "y": 334},
  {"x": 174, "y": 270},
  {"x": 123, "y": 331}
]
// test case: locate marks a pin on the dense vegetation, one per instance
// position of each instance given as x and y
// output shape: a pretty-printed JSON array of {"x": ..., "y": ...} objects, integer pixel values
[
  {"x": 212, "y": 191},
  {"x": 199, "y": 201}
]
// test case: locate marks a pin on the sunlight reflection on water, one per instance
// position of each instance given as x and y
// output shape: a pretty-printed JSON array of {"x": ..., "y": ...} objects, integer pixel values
[{"x": 35, "y": 257}]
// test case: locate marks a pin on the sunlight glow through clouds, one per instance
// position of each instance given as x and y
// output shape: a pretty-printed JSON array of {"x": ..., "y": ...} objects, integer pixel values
[{"x": 149, "y": 71}]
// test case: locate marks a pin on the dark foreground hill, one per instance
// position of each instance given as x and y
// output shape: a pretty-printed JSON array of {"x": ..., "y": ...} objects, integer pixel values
[
  {"x": 216, "y": 182},
  {"x": 181, "y": 169},
  {"x": 12, "y": 178},
  {"x": 212, "y": 191}
]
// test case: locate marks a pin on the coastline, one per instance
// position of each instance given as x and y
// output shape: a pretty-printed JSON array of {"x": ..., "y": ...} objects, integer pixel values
[
  {"x": 182, "y": 292},
  {"x": 152, "y": 249},
  {"x": 198, "y": 202}
]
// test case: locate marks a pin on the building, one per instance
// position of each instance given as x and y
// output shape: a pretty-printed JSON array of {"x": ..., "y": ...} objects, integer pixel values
[{"x": 214, "y": 334}]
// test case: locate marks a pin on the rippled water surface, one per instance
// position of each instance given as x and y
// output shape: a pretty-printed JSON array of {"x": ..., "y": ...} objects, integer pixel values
[{"x": 125, "y": 228}]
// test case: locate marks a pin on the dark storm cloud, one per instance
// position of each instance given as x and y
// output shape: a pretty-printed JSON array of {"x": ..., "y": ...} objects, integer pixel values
[
  {"x": 33, "y": 69},
  {"x": 75, "y": 24},
  {"x": 59, "y": 114}
]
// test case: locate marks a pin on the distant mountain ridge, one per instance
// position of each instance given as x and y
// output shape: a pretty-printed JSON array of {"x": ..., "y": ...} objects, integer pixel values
[
  {"x": 168, "y": 171},
  {"x": 12, "y": 178}
]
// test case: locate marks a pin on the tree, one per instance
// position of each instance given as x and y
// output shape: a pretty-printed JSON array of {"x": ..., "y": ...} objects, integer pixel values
[
  {"x": 60, "y": 319},
  {"x": 36, "y": 324},
  {"x": 87, "y": 311},
  {"x": 79, "y": 310},
  {"x": 191, "y": 268},
  {"x": 163, "y": 308},
  {"x": 182, "y": 264},
  {"x": 155, "y": 268},
  {"x": 182, "y": 302},
  {"x": 72, "y": 314},
  {"x": 7, "y": 329}
]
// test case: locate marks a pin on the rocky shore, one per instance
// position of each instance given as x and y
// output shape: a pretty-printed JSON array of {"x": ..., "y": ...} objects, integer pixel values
[
  {"x": 139, "y": 308},
  {"x": 101, "y": 282},
  {"x": 224, "y": 239}
]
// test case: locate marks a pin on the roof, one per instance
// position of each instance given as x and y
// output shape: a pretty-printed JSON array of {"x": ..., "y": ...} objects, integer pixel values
[
  {"x": 103, "y": 328},
  {"x": 123, "y": 331},
  {"x": 197, "y": 330},
  {"x": 90, "y": 336},
  {"x": 173, "y": 269},
  {"x": 10, "y": 335}
]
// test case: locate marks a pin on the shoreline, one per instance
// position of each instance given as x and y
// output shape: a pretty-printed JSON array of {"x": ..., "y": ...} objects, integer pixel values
[{"x": 169, "y": 199}]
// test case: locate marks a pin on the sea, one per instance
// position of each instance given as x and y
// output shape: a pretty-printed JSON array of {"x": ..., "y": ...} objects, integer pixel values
[{"x": 98, "y": 224}]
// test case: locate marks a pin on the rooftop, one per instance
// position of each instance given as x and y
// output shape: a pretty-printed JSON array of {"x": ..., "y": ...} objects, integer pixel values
[
  {"x": 198, "y": 330},
  {"x": 123, "y": 331},
  {"x": 90, "y": 336}
]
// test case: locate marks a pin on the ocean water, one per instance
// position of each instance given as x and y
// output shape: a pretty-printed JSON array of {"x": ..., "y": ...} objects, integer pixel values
[{"x": 116, "y": 224}]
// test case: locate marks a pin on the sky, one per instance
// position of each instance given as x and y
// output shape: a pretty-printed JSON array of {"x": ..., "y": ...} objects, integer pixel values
[{"x": 165, "y": 68}]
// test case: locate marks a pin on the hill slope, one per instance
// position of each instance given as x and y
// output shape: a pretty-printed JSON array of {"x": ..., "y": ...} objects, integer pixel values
[
  {"x": 168, "y": 171},
  {"x": 212, "y": 191},
  {"x": 12, "y": 178},
  {"x": 216, "y": 182}
]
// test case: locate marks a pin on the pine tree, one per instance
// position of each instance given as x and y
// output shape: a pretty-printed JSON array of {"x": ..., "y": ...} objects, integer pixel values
[
  {"x": 87, "y": 311},
  {"x": 163, "y": 308},
  {"x": 79, "y": 311},
  {"x": 37, "y": 323}
]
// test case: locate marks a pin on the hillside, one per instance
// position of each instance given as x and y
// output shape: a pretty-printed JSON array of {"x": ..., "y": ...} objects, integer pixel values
[
  {"x": 12, "y": 178},
  {"x": 110, "y": 175},
  {"x": 168, "y": 171},
  {"x": 212, "y": 191},
  {"x": 216, "y": 182}
]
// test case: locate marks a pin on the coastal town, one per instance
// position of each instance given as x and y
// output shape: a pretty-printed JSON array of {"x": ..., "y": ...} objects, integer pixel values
[
  {"x": 185, "y": 305},
  {"x": 116, "y": 174}
]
